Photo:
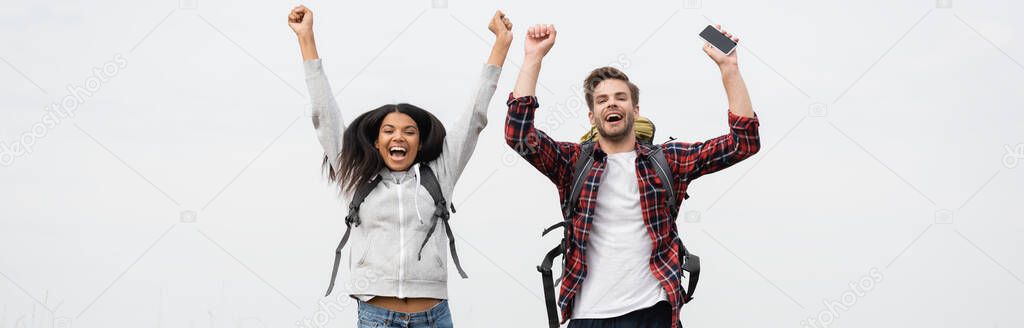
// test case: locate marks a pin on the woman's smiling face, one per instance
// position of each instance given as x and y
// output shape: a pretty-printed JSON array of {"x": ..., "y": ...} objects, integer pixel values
[{"x": 398, "y": 141}]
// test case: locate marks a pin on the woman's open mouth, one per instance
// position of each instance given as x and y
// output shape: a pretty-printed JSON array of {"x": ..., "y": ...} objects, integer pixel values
[{"x": 397, "y": 153}]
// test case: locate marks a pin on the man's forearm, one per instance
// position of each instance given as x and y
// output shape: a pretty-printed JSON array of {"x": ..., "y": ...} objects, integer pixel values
[
  {"x": 526, "y": 84},
  {"x": 499, "y": 51},
  {"x": 736, "y": 91}
]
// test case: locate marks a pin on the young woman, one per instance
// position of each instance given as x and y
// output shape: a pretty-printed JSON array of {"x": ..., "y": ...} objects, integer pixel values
[{"x": 398, "y": 266}]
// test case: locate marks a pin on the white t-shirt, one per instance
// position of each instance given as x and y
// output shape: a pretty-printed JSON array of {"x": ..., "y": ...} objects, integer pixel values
[{"x": 619, "y": 278}]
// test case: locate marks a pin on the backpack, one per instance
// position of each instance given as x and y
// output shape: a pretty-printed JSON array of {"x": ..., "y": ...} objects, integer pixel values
[
  {"x": 429, "y": 181},
  {"x": 584, "y": 163}
]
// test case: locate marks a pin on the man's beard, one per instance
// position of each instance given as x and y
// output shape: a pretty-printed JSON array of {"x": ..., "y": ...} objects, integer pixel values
[{"x": 628, "y": 120}]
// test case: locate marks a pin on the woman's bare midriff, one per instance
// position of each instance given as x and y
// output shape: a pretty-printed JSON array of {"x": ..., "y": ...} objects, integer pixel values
[{"x": 407, "y": 305}]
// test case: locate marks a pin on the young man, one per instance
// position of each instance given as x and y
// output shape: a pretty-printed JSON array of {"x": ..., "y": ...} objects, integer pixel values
[{"x": 622, "y": 265}]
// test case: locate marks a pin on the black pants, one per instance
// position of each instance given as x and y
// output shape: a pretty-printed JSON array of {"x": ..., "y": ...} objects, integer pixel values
[{"x": 657, "y": 316}]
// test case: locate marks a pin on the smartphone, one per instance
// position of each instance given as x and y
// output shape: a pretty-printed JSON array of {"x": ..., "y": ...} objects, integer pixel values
[{"x": 717, "y": 39}]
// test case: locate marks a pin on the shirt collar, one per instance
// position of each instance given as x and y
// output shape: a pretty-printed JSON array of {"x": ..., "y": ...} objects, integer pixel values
[{"x": 641, "y": 149}]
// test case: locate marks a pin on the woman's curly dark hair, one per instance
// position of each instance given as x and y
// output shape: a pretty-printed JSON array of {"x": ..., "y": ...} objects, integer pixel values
[{"x": 359, "y": 161}]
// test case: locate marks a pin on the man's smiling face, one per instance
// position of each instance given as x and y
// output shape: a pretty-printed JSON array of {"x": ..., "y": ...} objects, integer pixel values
[{"x": 614, "y": 111}]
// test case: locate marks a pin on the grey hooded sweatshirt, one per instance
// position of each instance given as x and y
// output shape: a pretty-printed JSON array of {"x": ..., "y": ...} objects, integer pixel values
[{"x": 396, "y": 214}]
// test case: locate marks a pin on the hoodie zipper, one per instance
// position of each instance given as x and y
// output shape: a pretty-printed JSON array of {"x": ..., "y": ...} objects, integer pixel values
[{"x": 401, "y": 239}]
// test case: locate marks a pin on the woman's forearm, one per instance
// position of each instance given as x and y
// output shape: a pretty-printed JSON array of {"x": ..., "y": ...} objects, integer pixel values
[
  {"x": 300, "y": 19},
  {"x": 499, "y": 51},
  {"x": 307, "y": 44},
  {"x": 501, "y": 26}
]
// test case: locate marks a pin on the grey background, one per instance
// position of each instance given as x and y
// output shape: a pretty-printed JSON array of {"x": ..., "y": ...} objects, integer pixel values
[{"x": 186, "y": 191}]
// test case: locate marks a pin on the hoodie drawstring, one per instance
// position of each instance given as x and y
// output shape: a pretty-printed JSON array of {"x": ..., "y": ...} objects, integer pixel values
[{"x": 416, "y": 199}]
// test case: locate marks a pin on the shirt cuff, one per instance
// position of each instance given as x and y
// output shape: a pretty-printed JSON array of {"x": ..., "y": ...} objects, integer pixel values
[
  {"x": 491, "y": 73},
  {"x": 737, "y": 122},
  {"x": 530, "y": 101},
  {"x": 312, "y": 67}
]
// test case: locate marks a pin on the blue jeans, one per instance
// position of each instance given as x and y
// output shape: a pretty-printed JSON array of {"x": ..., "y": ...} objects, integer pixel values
[{"x": 371, "y": 316}]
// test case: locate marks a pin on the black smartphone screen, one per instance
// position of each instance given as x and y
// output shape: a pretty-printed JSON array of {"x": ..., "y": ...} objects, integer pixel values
[{"x": 717, "y": 39}]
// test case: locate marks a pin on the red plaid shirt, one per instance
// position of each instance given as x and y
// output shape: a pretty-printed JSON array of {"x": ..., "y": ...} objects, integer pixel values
[{"x": 689, "y": 161}]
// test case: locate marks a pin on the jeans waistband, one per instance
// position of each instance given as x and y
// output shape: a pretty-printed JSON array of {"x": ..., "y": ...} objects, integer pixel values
[{"x": 376, "y": 313}]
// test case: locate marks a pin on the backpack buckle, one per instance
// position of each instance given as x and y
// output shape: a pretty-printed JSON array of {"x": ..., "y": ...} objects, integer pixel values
[{"x": 351, "y": 220}]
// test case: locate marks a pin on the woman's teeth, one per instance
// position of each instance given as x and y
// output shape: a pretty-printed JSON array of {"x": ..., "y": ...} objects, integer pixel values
[{"x": 397, "y": 151}]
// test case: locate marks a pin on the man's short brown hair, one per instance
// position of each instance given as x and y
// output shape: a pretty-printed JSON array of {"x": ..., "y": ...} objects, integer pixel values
[{"x": 605, "y": 73}]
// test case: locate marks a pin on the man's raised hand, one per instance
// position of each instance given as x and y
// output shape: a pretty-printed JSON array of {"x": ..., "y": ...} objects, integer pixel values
[
  {"x": 718, "y": 56},
  {"x": 539, "y": 40}
]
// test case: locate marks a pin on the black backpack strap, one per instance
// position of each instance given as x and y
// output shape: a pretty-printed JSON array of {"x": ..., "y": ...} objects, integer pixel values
[
  {"x": 691, "y": 264},
  {"x": 429, "y": 180},
  {"x": 580, "y": 171},
  {"x": 351, "y": 219},
  {"x": 689, "y": 261},
  {"x": 657, "y": 157},
  {"x": 549, "y": 284},
  {"x": 584, "y": 163},
  {"x": 560, "y": 224}
]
